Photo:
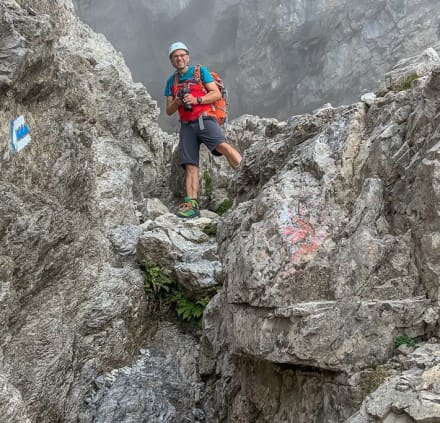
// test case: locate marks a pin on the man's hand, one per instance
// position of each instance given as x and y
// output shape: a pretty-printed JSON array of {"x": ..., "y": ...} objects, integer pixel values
[
  {"x": 189, "y": 99},
  {"x": 173, "y": 104}
]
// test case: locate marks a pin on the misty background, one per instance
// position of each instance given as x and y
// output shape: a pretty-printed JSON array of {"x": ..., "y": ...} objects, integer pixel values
[{"x": 278, "y": 58}]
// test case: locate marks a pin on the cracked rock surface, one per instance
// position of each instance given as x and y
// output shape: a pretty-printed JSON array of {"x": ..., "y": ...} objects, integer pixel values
[{"x": 329, "y": 254}]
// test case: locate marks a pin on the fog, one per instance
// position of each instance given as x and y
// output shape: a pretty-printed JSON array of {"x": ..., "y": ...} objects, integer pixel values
[{"x": 278, "y": 58}]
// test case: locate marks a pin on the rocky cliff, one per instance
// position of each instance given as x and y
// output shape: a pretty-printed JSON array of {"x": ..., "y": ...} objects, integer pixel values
[
  {"x": 326, "y": 268},
  {"x": 71, "y": 294},
  {"x": 330, "y": 257}
]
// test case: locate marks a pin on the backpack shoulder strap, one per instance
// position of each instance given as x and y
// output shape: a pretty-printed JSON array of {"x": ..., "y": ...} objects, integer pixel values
[
  {"x": 197, "y": 75},
  {"x": 174, "y": 84}
]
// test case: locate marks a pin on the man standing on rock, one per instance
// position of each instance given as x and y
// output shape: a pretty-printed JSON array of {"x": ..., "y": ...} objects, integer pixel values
[{"x": 193, "y": 101}]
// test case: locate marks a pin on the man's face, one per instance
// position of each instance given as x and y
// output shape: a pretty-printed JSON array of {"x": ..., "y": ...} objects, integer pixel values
[{"x": 180, "y": 59}]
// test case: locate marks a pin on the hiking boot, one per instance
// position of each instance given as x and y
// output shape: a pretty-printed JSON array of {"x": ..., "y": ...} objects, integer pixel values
[{"x": 188, "y": 209}]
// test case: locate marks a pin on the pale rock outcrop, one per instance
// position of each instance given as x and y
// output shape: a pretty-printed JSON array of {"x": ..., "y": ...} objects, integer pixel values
[
  {"x": 412, "y": 67},
  {"x": 329, "y": 254},
  {"x": 72, "y": 300},
  {"x": 161, "y": 385},
  {"x": 410, "y": 396},
  {"x": 183, "y": 247}
]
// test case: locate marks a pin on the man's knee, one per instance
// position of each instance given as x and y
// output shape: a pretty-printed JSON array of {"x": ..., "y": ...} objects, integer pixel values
[
  {"x": 191, "y": 168},
  {"x": 225, "y": 148}
]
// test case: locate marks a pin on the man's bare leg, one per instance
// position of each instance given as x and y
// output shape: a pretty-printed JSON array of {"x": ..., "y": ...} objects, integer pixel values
[
  {"x": 191, "y": 180},
  {"x": 232, "y": 155}
]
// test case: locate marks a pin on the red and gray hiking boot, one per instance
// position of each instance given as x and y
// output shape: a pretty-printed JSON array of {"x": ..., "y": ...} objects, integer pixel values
[{"x": 188, "y": 209}]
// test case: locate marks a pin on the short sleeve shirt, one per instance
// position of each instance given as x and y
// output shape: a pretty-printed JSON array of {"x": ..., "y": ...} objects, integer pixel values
[{"x": 205, "y": 76}]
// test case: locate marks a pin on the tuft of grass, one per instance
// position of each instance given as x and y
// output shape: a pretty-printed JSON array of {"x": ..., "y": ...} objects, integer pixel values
[
  {"x": 407, "y": 81},
  {"x": 224, "y": 207},
  {"x": 208, "y": 184},
  {"x": 371, "y": 379},
  {"x": 211, "y": 229},
  {"x": 404, "y": 340}
]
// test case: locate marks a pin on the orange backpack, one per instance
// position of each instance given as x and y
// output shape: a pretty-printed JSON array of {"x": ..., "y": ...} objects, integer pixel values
[{"x": 220, "y": 107}]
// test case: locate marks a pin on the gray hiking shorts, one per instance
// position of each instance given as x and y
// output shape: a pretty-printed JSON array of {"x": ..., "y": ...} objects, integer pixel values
[{"x": 191, "y": 136}]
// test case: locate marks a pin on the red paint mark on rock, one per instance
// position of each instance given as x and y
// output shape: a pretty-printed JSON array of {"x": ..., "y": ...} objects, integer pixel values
[{"x": 302, "y": 233}]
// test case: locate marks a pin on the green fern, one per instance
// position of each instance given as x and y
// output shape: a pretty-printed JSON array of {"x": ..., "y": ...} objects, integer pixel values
[
  {"x": 158, "y": 282},
  {"x": 187, "y": 309},
  {"x": 404, "y": 340},
  {"x": 162, "y": 288}
]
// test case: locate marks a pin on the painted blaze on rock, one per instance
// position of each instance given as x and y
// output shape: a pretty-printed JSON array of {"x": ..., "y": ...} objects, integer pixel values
[{"x": 302, "y": 232}]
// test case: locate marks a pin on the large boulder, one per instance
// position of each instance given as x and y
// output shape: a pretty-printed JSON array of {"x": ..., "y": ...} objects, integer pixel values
[
  {"x": 72, "y": 301},
  {"x": 329, "y": 254},
  {"x": 183, "y": 248}
]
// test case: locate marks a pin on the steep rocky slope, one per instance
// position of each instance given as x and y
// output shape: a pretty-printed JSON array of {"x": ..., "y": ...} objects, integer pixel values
[
  {"x": 72, "y": 302},
  {"x": 329, "y": 255}
]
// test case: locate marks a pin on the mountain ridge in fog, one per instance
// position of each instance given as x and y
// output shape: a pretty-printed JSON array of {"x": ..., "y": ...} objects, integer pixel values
[{"x": 277, "y": 59}]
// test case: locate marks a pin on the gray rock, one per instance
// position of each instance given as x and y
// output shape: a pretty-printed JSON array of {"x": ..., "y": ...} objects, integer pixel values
[
  {"x": 12, "y": 406},
  {"x": 162, "y": 385},
  {"x": 198, "y": 277},
  {"x": 182, "y": 247},
  {"x": 412, "y": 396},
  {"x": 125, "y": 238},
  {"x": 369, "y": 98},
  {"x": 328, "y": 247},
  {"x": 153, "y": 208},
  {"x": 413, "y": 67}
]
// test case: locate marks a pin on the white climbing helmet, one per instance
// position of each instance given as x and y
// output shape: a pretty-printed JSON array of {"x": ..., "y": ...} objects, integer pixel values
[{"x": 177, "y": 46}]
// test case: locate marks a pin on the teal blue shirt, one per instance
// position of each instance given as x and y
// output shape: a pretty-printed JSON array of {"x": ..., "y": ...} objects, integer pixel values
[{"x": 205, "y": 76}]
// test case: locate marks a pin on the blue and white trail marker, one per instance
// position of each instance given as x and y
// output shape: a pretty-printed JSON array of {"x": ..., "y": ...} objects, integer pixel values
[{"x": 19, "y": 134}]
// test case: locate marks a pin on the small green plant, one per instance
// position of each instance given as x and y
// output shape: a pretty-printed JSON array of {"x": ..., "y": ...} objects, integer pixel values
[
  {"x": 382, "y": 92},
  {"x": 208, "y": 184},
  {"x": 158, "y": 282},
  {"x": 189, "y": 310},
  {"x": 162, "y": 288},
  {"x": 211, "y": 229},
  {"x": 404, "y": 340},
  {"x": 224, "y": 207},
  {"x": 371, "y": 379},
  {"x": 407, "y": 81}
]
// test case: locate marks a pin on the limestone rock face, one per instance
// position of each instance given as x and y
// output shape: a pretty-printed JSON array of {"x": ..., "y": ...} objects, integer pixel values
[
  {"x": 161, "y": 385},
  {"x": 185, "y": 249},
  {"x": 410, "y": 396},
  {"x": 329, "y": 253},
  {"x": 72, "y": 303}
]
